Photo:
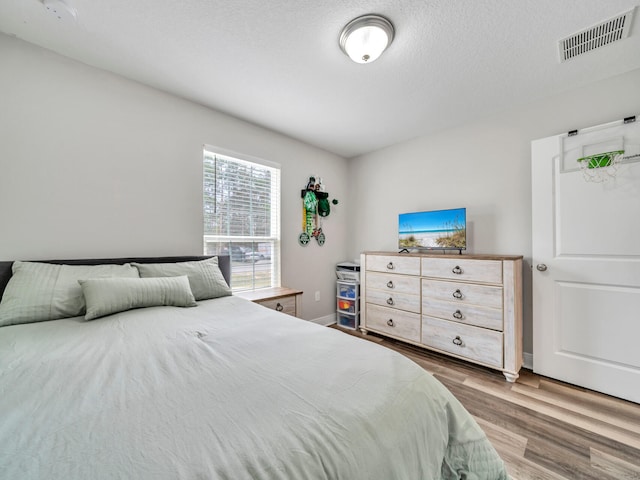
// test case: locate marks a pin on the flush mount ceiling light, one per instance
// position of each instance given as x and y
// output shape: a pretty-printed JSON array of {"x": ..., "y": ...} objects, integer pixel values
[
  {"x": 364, "y": 38},
  {"x": 60, "y": 10}
]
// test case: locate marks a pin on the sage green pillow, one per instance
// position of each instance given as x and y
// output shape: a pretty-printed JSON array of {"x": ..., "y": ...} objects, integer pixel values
[
  {"x": 205, "y": 277},
  {"x": 38, "y": 292},
  {"x": 105, "y": 296}
]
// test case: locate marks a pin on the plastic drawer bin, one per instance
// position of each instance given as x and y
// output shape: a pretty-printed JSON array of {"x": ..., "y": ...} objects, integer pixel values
[
  {"x": 347, "y": 321},
  {"x": 346, "y": 275},
  {"x": 347, "y": 290},
  {"x": 347, "y": 306}
]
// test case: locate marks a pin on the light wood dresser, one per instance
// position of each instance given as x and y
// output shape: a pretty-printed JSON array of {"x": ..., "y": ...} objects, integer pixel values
[
  {"x": 465, "y": 306},
  {"x": 281, "y": 299}
]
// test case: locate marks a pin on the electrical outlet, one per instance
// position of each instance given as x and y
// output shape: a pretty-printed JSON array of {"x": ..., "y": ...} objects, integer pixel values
[{"x": 318, "y": 296}]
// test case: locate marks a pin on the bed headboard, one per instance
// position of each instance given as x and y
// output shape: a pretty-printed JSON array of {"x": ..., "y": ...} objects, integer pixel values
[{"x": 224, "y": 262}]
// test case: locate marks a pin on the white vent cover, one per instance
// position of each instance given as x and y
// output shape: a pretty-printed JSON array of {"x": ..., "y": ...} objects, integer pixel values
[{"x": 599, "y": 35}]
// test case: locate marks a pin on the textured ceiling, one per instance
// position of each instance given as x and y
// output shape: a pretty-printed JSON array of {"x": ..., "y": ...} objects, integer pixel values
[{"x": 277, "y": 63}]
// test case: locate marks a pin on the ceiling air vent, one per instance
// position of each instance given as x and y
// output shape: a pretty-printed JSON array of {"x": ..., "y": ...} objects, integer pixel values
[{"x": 599, "y": 35}]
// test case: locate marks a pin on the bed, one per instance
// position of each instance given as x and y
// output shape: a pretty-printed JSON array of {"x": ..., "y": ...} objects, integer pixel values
[{"x": 223, "y": 389}]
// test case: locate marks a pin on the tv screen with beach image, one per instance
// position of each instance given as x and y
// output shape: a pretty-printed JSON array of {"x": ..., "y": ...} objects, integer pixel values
[{"x": 437, "y": 229}]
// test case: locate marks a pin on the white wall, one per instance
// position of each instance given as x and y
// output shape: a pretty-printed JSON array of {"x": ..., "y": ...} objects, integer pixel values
[
  {"x": 95, "y": 165},
  {"x": 484, "y": 166}
]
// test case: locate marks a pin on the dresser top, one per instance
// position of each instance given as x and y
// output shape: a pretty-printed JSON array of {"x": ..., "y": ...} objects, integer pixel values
[{"x": 470, "y": 256}]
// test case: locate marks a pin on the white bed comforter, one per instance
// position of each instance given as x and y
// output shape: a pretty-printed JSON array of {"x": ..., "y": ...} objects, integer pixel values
[{"x": 224, "y": 390}]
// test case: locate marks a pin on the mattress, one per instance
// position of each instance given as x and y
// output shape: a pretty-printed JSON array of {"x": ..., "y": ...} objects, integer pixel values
[{"x": 225, "y": 390}]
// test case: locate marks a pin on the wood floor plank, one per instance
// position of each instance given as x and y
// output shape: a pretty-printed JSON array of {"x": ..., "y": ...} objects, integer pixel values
[
  {"x": 564, "y": 464},
  {"x": 614, "y": 466},
  {"x": 574, "y": 406},
  {"x": 598, "y": 401},
  {"x": 529, "y": 378},
  {"x": 520, "y": 468},
  {"x": 503, "y": 439}
]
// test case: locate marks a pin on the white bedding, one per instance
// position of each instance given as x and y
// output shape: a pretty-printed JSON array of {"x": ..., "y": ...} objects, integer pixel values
[{"x": 224, "y": 390}]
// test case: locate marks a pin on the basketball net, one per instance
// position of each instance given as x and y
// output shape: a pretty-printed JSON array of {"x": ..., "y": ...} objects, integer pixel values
[{"x": 601, "y": 167}]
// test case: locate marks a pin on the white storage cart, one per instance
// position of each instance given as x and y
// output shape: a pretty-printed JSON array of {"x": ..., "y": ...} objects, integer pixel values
[{"x": 348, "y": 295}]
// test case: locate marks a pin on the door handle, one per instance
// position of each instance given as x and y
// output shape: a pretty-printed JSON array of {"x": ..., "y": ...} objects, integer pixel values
[{"x": 541, "y": 267}]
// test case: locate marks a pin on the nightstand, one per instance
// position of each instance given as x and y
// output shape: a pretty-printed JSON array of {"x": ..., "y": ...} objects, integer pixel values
[{"x": 282, "y": 299}]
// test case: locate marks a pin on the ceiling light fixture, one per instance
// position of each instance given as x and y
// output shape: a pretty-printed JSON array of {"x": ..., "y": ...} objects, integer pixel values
[
  {"x": 61, "y": 10},
  {"x": 364, "y": 38}
]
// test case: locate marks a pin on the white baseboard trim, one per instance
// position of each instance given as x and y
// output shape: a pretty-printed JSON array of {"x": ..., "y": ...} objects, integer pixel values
[
  {"x": 325, "y": 321},
  {"x": 527, "y": 359}
]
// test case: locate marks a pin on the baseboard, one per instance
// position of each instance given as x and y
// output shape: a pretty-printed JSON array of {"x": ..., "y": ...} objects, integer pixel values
[
  {"x": 527, "y": 359},
  {"x": 325, "y": 321}
]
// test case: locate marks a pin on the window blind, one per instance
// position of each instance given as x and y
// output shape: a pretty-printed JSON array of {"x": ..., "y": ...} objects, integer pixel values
[{"x": 241, "y": 207}]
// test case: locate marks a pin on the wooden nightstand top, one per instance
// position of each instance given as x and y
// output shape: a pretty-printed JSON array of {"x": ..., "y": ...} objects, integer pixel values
[{"x": 269, "y": 293}]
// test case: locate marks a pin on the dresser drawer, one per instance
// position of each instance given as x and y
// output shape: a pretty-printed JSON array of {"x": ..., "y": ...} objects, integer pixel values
[
  {"x": 401, "y": 301},
  {"x": 464, "y": 293},
  {"x": 463, "y": 313},
  {"x": 393, "y": 322},
  {"x": 477, "y": 344},
  {"x": 391, "y": 282},
  {"x": 282, "y": 299},
  {"x": 393, "y": 264},
  {"x": 285, "y": 304},
  {"x": 485, "y": 271}
]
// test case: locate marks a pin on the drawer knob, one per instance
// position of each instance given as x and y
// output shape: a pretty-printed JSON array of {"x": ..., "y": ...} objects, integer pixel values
[
  {"x": 457, "y": 294},
  {"x": 390, "y": 284},
  {"x": 279, "y": 307},
  {"x": 390, "y": 301},
  {"x": 457, "y": 314},
  {"x": 390, "y": 266},
  {"x": 390, "y": 322},
  {"x": 457, "y": 270},
  {"x": 457, "y": 340}
]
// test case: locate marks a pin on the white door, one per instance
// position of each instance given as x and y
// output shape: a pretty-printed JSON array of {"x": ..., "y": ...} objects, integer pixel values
[{"x": 586, "y": 262}]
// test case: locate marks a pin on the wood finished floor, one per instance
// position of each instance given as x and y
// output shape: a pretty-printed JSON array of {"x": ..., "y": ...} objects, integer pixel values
[{"x": 542, "y": 428}]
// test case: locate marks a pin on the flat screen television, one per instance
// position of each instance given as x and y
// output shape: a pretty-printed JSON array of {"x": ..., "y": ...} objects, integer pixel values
[{"x": 433, "y": 230}]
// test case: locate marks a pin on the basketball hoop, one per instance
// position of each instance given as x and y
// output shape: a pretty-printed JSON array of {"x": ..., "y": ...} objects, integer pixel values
[{"x": 600, "y": 167}]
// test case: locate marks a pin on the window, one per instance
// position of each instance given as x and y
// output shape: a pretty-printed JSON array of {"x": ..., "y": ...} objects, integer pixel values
[{"x": 242, "y": 218}]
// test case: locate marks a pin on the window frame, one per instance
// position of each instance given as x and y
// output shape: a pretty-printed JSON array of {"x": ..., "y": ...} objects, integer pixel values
[{"x": 229, "y": 240}]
